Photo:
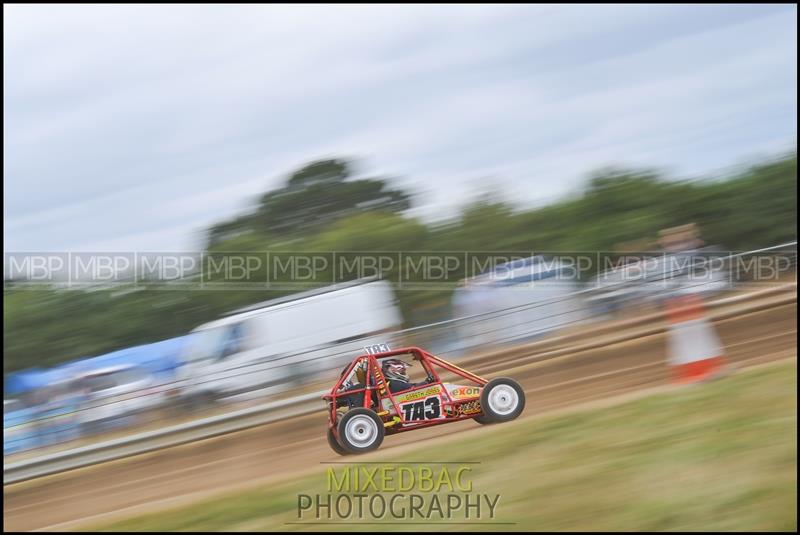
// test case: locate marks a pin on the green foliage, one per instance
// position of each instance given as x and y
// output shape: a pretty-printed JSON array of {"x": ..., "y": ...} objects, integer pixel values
[
  {"x": 312, "y": 198},
  {"x": 322, "y": 208}
]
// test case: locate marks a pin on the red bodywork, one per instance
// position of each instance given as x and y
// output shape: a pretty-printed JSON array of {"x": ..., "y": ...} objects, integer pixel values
[{"x": 397, "y": 417}]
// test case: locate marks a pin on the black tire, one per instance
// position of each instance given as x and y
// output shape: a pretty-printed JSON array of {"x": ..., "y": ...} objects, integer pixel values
[
  {"x": 482, "y": 420},
  {"x": 334, "y": 444},
  {"x": 502, "y": 400},
  {"x": 360, "y": 430}
]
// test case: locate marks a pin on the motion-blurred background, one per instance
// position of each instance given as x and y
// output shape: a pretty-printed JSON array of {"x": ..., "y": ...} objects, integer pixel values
[{"x": 465, "y": 178}]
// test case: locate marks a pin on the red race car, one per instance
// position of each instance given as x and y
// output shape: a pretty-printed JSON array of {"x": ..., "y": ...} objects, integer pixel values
[{"x": 375, "y": 397}]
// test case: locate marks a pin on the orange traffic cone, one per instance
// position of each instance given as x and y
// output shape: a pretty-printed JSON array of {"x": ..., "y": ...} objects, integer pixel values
[{"x": 694, "y": 351}]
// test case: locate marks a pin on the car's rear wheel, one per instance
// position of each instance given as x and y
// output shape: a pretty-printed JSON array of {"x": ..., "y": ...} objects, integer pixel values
[
  {"x": 334, "y": 444},
  {"x": 502, "y": 400},
  {"x": 360, "y": 430}
]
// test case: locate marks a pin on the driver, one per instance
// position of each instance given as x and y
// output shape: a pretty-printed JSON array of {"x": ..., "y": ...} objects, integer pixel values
[{"x": 396, "y": 373}]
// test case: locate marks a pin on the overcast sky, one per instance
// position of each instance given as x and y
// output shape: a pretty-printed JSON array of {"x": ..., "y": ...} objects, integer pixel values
[{"x": 132, "y": 128}]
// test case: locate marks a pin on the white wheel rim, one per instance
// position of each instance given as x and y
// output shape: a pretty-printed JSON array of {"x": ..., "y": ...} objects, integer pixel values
[
  {"x": 361, "y": 431},
  {"x": 503, "y": 399}
]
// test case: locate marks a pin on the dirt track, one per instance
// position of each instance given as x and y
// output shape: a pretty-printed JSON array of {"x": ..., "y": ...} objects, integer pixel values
[{"x": 285, "y": 449}]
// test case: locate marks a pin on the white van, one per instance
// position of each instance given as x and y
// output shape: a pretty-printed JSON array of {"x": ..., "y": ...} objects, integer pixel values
[
  {"x": 516, "y": 301},
  {"x": 269, "y": 346},
  {"x": 115, "y": 394}
]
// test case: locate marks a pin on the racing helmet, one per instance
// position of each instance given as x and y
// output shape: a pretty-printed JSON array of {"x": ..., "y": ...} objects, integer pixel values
[{"x": 395, "y": 369}]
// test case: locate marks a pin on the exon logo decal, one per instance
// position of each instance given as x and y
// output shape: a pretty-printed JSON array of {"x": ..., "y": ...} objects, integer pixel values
[
  {"x": 463, "y": 392},
  {"x": 427, "y": 409}
]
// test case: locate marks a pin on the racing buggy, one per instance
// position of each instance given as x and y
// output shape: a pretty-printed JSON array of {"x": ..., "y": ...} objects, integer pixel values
[{"x": 369, "y": 402}]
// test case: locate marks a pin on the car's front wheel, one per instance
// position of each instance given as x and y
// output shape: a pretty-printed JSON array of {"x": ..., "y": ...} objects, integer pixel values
[
  {"x": 360, "y": 430},
  {"x": 483, "y": 420},
  {"x": 334, "y": 444},
  {"x": 502, "y": 400}
]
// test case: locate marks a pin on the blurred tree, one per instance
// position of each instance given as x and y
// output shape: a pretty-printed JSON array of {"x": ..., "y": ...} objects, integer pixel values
[
  {"x": 321, "y": 193},
  {"x": 313, "y": 197},
  {"x": 484, "y": 225},
  {"x": 321, "y": 207},
  {"x": 226, "y": 230}
]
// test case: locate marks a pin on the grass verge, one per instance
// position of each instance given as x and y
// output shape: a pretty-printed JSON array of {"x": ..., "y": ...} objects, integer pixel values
[{"x": 718, "y": 456}]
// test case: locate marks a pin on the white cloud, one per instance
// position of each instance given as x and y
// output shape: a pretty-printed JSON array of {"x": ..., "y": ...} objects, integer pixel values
[{"x": 144, "y": 124}]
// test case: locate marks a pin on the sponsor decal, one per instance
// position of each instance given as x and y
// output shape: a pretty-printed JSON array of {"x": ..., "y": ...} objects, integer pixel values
[
  {"x": 419, "y": 394},
  {"x": 376, "y": 348},
  {"x": 465, "y": 392},
  {"x": 470, "y": 407}
]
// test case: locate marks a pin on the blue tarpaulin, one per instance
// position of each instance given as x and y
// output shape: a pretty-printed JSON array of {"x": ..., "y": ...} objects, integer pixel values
[
  {"x": 39, "y": 423},
  {"x": 159, "y": 358},
  {"x": 27, "y": 380}
]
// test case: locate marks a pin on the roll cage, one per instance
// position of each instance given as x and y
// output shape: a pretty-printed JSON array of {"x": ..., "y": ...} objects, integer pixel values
[{"x": 365, "y": 371}]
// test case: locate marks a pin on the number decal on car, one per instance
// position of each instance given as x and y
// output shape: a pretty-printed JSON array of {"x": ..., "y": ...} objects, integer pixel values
[{"x": 426, "y": 409}]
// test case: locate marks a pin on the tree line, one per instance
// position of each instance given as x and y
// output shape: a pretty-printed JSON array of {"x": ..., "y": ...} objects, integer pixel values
[{"x": 328, "y": 206}]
